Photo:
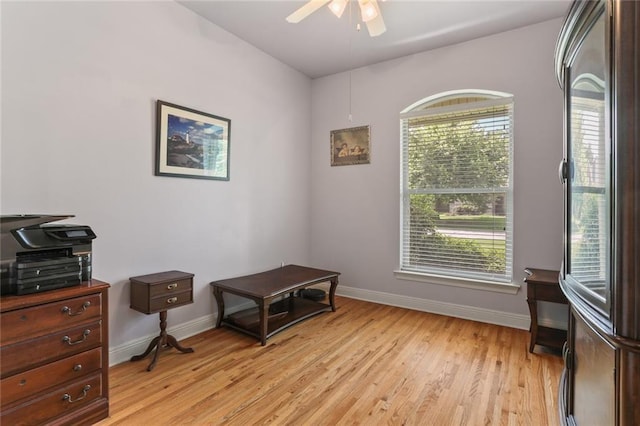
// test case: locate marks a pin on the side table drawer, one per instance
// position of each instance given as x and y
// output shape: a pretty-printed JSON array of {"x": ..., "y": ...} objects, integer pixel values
[
  {"x": 170, "y": 301},
  {"x": 33, "y": 381},
  {"x": 178, "y": 286}
]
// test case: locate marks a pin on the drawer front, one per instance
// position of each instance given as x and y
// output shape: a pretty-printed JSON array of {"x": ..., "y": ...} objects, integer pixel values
[
  {"x": 54, "y": 403},
  {"x": 171, "y": 301},
  {"x": 35, "y": 352},
  {"x": 33, "y": 381},
  {"x": 40, "y": 320},
  {"x": 177, "y": 286}
]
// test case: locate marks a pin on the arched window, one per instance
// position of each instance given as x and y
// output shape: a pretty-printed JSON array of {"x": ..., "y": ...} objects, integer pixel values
[{"x": 457, "y": 186}]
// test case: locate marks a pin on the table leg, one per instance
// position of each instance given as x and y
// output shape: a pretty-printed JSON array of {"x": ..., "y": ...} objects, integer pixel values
[
  {"x": 161, "y": 342},
  {"x": 332, "y": 293},
  {"x": 172, "y": 342},
  {"x": 220, "y": 301},
  {"x": 151, "y": 346},
  {"x": 152, "y": 364},
  {"x": 533, "y": 311},
  {"x": 263, "y": 312}
]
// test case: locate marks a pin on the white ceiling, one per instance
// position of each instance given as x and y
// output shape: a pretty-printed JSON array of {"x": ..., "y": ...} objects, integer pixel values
[{"x": 322, "y": 44}]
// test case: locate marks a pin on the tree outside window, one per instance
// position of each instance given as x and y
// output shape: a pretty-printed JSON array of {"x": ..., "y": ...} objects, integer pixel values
[{"x": 457, "y": 156}]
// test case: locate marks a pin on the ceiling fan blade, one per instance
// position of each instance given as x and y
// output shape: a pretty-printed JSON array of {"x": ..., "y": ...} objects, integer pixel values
[
  {"x": 306, "y": 10},
  {"x": 376, "y": 25}
]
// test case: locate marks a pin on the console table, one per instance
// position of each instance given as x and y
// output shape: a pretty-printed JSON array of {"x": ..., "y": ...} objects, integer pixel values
[
  {"x": 156, "y": 293},
  {"x": 270, "y": 317},
  {"x": 543, "y": 285}
]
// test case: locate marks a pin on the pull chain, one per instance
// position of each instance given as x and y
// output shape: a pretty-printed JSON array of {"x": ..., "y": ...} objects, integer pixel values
[{"x": 351, "y": 58}]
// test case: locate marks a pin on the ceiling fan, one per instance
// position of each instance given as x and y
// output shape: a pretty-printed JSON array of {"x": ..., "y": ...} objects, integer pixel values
[{"x": 369, "y": 11}]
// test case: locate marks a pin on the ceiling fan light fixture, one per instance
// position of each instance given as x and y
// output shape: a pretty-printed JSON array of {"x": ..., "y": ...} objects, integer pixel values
[
  {"x": 368, "y": 10},
  {"x": 338, "y": 7},
  {"x": 307, "y": 9}
]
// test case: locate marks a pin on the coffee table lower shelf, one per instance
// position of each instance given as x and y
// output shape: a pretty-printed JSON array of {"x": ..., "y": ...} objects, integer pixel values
[{"x": 282, "y": 314}]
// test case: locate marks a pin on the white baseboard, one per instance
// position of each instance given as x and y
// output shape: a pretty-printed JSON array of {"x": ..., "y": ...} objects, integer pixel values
[
  {"x": 489, "y": 316},
  {"x": 125, "y": 351}
]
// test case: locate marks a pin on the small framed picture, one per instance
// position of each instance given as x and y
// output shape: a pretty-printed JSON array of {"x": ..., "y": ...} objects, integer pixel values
[
  {"x": 350, "y": 146},
  {"x": 190, "y": 143}
]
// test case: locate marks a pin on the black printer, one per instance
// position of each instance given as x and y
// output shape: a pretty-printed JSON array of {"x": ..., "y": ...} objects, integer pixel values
[{"x": 36, "y": 257}]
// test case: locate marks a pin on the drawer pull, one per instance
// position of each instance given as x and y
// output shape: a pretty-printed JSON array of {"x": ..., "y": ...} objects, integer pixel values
[
  {"x": 67, "y": 310},
  {"x": 172, "y": 286},
  {"x": 77, "y": 367},
  {"x": 67, "y": 339},
  {"x": 67, "y": 397},
  {"x": 172, "y": 300}
]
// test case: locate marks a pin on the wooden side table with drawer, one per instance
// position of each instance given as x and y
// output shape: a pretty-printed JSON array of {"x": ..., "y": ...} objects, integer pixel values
[
  {"x": 543, "y": 285},
  {"x": 157, "y": 293}
]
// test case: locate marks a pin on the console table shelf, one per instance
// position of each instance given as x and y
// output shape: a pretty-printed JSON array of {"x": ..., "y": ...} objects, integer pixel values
[{"x": 282, "y": 314}]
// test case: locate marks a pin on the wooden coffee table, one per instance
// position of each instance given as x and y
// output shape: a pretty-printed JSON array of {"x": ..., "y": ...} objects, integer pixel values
[{"x": 270, "y": 317}]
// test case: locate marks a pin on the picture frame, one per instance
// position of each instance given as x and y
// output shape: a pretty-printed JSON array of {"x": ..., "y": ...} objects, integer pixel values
[
  {"x": 191, "y": 143},
  {"x": 351, "y": 146}
]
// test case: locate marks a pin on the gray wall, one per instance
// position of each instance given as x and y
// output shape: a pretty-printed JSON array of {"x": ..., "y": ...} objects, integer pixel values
[
  {"x": 79, "y": 84},
  {"x": 355, "y": 221}
]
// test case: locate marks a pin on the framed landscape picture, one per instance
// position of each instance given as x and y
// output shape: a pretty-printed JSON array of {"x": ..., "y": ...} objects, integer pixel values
[
  {"x": 191, "y": 143},
  {"x": 350, "y": 146}
]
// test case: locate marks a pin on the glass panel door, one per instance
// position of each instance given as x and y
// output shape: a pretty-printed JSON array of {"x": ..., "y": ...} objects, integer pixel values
[{"x": 588, "y": 183}]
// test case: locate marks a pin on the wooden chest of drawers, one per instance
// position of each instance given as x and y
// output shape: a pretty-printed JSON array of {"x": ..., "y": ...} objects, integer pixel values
[{"x": 55, "y": 356}]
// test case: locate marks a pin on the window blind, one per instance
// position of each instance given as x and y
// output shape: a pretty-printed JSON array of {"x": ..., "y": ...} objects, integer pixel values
[
  {"x": 587, "y": 183},
  {"x": 457, "y": 190}
]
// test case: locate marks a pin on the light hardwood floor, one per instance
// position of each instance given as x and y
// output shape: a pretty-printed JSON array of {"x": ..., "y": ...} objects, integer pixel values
[{"x": 365, "y": 364}]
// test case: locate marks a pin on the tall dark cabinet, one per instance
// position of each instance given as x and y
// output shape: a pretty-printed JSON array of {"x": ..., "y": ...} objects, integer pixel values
[{"x": 598, "y": 67}]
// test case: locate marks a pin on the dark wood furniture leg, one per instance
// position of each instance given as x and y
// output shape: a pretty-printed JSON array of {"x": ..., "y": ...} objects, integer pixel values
[
  {"x": 220, "y": 301},
  {"x": 533, "y": 311},
  {"x": 263, "y": 312},
  {"x": 161, "y": 342},
  {"x": 332, "y": 293}
]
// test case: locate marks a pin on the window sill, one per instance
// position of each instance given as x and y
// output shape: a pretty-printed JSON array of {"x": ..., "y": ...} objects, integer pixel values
[{"x": 508, "y": 288}]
